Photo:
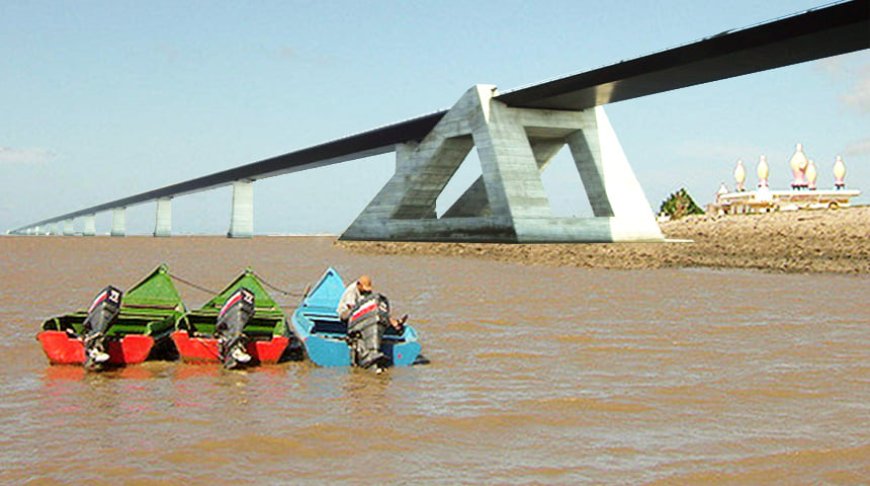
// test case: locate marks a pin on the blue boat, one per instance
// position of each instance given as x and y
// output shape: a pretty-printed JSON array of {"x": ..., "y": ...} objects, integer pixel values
[{"x": 324, "y": 336}]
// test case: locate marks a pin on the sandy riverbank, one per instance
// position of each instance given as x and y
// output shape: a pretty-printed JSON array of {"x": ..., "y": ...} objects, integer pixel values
[{"x": 800, "y": 241}]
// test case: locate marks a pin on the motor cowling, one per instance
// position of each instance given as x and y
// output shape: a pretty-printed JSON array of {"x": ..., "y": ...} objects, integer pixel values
[
  {"x": 366, "y": 326},
  {"x": 101, "y": 314},
  {"x": 231, "y": 321}
]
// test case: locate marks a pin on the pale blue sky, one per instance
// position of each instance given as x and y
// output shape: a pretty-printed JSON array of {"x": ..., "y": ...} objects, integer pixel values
[{"x": 100, "y": 100}]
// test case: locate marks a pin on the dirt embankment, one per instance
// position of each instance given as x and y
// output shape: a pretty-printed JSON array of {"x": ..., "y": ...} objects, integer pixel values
[{"x": 799, "y": 241}]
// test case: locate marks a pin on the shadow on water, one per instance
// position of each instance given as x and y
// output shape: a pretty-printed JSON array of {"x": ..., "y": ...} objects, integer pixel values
[{"x": 151, "y": 370}]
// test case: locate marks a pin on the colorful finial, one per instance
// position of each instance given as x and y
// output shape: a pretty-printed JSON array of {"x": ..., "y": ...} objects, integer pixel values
[
  {"x": 812, "y": 175},
  {"x": 799, "y": 163},
  {"x": 763, "y": 171},
  {"x": 839, "y": 173},
  {"x": 740, "y": 176}
]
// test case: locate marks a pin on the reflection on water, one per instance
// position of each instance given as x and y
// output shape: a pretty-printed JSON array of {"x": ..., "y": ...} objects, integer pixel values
[{"x": 537, "y": 375}]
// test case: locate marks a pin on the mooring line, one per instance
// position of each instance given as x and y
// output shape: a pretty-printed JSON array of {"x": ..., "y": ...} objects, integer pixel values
[
  {"x": 260, "y": 277},
  {"x": 276, "y": 289},
  {"x": 196, "y": 286}
]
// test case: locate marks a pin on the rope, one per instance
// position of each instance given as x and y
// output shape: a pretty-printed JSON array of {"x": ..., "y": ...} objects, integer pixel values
[
  {"x": 276, "y": 289},
  {"x": 191, "y": 284},
  {"x": 265, "y": 282}
]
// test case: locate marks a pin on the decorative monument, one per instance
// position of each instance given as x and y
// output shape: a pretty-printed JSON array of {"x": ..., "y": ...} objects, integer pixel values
[{"x": 804, "y": 193}]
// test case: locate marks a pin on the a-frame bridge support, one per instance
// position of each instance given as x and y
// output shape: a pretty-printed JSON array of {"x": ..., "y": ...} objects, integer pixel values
[{"x": 508, "y": 202}]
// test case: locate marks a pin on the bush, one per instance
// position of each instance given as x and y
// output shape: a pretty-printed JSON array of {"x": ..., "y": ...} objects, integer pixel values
[{"x": 679, "y": 204}]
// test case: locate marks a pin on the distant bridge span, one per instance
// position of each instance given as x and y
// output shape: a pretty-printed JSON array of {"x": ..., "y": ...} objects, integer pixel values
[{"x": 815, "y": 34}]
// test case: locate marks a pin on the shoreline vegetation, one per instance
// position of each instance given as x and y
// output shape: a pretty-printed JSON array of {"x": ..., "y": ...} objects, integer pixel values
[{"x": 805, "y": 241}]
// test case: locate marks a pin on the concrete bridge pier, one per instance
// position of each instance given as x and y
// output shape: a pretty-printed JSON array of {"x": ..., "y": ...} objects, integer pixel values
[
  {"x": 90, "y": 225},
  {"x": 242, "y": 217},
  {"x": 163, "y": 224},
  {"x": 68, "y": 227},
  {"x": 508, "y": 202},
  {"x": 119, "y": 222}
]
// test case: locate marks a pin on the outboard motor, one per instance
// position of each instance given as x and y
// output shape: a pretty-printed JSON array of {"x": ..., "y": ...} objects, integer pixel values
[
  {"x": 102, "y": 313},
  {"x": 365, "y": 331},
  {"x": 235, "y": 313}
]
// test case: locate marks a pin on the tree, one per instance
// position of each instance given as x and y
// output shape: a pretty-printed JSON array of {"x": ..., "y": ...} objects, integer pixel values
[{"x": 680, "y": 204}]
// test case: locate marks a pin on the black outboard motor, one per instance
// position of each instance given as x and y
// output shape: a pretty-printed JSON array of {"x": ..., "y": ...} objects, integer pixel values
[
  {"x": 365, "y": 331},
  {"x": 102, "y": 313},
  {"x": 235, "y": 313}
]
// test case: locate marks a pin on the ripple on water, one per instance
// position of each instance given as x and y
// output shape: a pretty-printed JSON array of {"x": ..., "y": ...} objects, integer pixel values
[{"x": 583, "y": 404}]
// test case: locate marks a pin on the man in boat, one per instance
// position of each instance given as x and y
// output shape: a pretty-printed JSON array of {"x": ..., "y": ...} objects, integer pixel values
[
  {"x": 354, "y": 294},
  {"x": 367, "y": 315}
]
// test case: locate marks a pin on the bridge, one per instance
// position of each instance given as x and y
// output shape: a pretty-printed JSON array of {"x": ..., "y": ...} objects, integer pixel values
[{"x": 516, "y": 133}]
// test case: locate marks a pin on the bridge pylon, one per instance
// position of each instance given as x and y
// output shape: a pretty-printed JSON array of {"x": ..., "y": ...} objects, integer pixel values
[
  {"x": 508, "y": 203},
  {"x": 242, "y": 216},
  {"x": 119, "y": 222},
  {"x": 90, "y": 225},
  {"x": 68, "y": 227},
  {"x": 163, "y": 219}
]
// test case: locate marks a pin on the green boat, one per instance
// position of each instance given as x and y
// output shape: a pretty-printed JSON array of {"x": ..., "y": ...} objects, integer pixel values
[
  {"x": 267, "y": 333},
  {"x": 149, "y": 312}
]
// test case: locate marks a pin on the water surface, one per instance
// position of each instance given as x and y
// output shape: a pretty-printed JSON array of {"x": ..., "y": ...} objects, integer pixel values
[{"x": 537, "y": 374}]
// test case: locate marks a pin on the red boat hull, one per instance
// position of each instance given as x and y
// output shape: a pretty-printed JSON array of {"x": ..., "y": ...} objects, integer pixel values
[
  {"x": 199, "y": 349},
  {"x": 61, "y": 348}
]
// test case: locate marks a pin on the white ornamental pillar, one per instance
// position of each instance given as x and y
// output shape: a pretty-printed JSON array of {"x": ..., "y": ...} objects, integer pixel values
[
  {"x": 839, "y": 174},
  {"x": 798, "y": 165},
  {"x": 811, "y": 175},
  {"x": 740, "y": 176}
]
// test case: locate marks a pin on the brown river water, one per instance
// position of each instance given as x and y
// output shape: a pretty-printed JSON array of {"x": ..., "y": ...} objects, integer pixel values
[{"x": 537, "y": 375}]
